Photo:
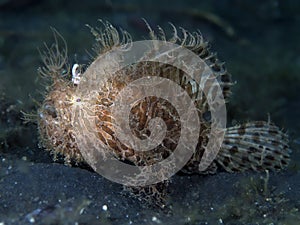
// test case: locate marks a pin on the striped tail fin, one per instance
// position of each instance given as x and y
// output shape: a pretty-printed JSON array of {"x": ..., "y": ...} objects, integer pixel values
[{"x": 255, "y": 145}]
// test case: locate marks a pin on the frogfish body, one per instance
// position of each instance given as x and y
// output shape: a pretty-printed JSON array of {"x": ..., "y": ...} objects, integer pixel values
[{"x": 257, "y": 145}]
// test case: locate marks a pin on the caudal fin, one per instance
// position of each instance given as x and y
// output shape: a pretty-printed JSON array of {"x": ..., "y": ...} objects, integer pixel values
[{"x": 255, "y": 145}]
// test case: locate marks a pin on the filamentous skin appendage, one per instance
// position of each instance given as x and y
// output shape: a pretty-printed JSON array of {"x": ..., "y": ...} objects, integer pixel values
[{"x": 257, "y": 145}]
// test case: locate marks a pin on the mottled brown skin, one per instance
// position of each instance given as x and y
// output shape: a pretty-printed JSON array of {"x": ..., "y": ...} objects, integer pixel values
[{"x": 255, "y": 145}]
